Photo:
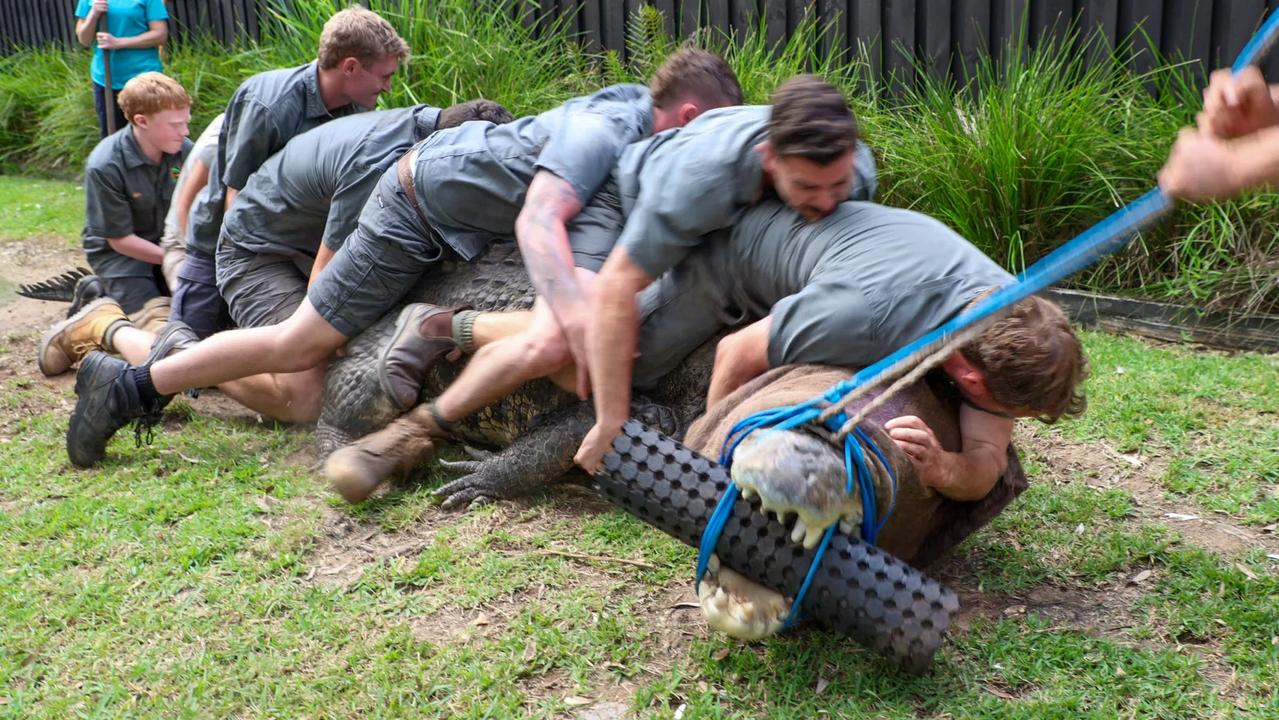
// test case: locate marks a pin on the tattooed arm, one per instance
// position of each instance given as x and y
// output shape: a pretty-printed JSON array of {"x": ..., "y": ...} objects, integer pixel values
[{"x": 541, "y": 230}]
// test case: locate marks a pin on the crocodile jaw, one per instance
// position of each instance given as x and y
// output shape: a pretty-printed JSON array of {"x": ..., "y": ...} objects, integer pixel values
[
  {"x": 796, "y": 473},
  {"x": 738, "y": 607}
]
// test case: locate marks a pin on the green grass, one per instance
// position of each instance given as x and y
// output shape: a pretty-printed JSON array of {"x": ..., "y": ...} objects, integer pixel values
[
  {"x": 35, "y": 208},
  {"x": 210, "y": 574}
]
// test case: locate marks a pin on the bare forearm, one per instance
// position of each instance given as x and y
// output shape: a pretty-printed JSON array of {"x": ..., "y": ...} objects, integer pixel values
[
  {"x": 322, "y": 258},
  {"x": 1257, "y": 158},
  {"x": 86, "y": 28},
  {"x": 150, "y": 38},
  {"x": 968, "y": 475},
  {"x": 543, "y": 238},
  {"x": 194, "y": 182},
  {"x": 612, "y": 341},
  {"x": 544, "y": 246},
  {"x": 137, "y": 248}
]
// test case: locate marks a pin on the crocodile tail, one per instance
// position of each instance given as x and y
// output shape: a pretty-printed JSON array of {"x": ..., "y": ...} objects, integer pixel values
[{"x": 59, "y": 288}]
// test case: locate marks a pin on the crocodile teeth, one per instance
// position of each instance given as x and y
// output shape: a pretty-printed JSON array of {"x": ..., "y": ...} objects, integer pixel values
[{"x": 799, "y": 531}]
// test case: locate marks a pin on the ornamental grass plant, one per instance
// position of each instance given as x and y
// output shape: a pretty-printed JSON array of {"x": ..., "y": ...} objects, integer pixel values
[{"x": 1034, "y": 147}]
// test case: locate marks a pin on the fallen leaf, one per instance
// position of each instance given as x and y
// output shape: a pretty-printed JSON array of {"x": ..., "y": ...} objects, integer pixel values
[
  {"x": 1119, "y": 672},
  {"x": 822, "y": 684},
  {"x": 1247, "y": 573},
  {"x": 1270, "y": 528},
  {"x": 719, "y": 654},
  {"x": 1133, "y": 460},
  {"x": 1119, "y": 370},
  {"x": 1140, "y": 576},
  {"x": 481, "y": 620},
  {"x": 1180, "y": 516},
  {"x": 679, "y": 711},
  {"x": 262, "y": 504},
  {"x": 1079, "y": 529},
  {"x": 1000, "y": 693},
  {"x": 577, "y": 701},
  {"x": 1273, "y": 556},
  {"x": 702, "y": 686},
  {"x": 1015, "y": 610},
  {"x": 530, "y": 653}
]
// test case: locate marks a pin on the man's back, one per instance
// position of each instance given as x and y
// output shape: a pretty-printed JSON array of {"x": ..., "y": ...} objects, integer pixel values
[
  {"x": 313, "y": 189},
  {"x": 908, "y": 273},
  {"x": 479, "y": 173}
]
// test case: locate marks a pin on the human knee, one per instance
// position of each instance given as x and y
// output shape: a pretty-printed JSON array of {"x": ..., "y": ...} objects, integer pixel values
[{"x": 546, "y": 349}]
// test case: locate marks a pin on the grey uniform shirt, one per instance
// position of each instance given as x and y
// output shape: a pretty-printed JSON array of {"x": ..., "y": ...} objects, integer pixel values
[
  {"x": 853, "y": 287},
  {"x": 125, "y": 193},
  {"x": 471, "y": 180},
  {"x": 266, "y": 111},
  {"x": 684, "y": 183},
  {"x": 314, "y": 188}
]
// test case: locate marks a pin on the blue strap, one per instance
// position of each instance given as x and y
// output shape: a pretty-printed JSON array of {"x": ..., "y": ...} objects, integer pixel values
[{"x": 1106, "y": 237}]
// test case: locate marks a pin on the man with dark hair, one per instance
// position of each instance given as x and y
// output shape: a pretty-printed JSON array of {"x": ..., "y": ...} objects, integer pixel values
[
  {"x": 359, "y": 52},
  {"x": 677, "y": 188},
  {"x": 450, "y": 196}
]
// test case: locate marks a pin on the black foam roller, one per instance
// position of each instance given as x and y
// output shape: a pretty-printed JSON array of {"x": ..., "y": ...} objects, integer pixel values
[{"x": 859, "y": 590}]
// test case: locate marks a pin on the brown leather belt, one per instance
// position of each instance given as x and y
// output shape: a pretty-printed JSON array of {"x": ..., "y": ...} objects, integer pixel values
[{"x": 405, "y": 171}]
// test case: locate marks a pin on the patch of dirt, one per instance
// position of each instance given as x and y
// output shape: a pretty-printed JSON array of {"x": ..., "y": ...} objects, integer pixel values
[
  {"x": 1101, "y": 466},
  {"x": 1064, "y": 608}
]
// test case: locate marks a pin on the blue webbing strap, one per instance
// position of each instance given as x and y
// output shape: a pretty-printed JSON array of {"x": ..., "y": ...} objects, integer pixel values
[{"x": 1106, "y": 237}]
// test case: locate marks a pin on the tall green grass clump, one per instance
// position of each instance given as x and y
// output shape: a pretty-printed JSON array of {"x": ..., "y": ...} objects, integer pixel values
[
  {"x": 1041, "y": 144},
  {"x": 459, "y": 52}
]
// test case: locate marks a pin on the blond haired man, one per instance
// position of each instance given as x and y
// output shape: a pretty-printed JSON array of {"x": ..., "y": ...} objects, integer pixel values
[
  {"x": 129, "y": 182},
  {"x": 359, "y": 52}
]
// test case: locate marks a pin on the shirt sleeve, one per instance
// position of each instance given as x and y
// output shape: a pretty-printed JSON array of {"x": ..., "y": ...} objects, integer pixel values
[
  {"x": 251, "y": 133},
  {"x": 584, "y": 150},
  {"x": 107, "y": 213},
  {"x": 156, "y": 10},
  {"x": 82, "y": 8},
  {"x": 680, "y": 202}
]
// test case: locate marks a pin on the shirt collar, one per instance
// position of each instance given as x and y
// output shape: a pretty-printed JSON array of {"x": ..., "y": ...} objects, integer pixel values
[
  {"x": 314, "y": 103},
  {"x": 133, "y": 155}
]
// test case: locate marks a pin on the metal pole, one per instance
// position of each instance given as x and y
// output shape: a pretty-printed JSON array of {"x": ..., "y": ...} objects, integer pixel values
[{"x": 108, "y": 92}]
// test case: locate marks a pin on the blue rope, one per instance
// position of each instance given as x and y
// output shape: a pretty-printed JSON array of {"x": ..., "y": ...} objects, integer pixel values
[{"x": 1106, "y": 237}]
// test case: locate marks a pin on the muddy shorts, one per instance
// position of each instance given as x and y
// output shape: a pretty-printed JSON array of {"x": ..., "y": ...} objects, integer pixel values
[
  {"x": 390, "y": 250},
  {"x": 260, "y": 289}
]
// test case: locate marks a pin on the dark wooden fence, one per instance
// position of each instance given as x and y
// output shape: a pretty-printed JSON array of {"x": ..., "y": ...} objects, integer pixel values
[{"x": 947, "y": 35}]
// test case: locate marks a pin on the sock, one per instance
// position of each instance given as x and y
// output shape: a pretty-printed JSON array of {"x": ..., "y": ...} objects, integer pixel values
[
  {"x": 146, "y": 389},
  {"x": 464, "y": 328}
]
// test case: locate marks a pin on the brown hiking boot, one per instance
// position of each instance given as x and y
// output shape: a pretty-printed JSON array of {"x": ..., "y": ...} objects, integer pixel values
[
  {"x": 423, "y": 334},
  {"x": 356, "y": 470},
  {"x": 153, "y": 315},
  {"x": 67, "y": 342}
]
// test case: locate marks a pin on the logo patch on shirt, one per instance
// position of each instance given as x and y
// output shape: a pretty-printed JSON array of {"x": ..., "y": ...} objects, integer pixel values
[{"x": 174, "y": 172}]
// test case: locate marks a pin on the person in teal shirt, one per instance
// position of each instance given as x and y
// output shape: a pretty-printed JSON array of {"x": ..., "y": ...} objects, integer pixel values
[{"x": 135, "y": 30}]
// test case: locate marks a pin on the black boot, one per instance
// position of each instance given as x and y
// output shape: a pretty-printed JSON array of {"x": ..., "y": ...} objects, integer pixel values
[{"x": 108, "y": 399}]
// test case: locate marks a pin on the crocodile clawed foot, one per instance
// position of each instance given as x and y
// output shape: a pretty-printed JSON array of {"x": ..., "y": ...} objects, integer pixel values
[{"x": 738, "y": 607}]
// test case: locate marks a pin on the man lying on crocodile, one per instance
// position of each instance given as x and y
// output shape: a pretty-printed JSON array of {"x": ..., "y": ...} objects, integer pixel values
[
  {"x": 448, "y": 198},
  {"x": 845, "y": 290}
]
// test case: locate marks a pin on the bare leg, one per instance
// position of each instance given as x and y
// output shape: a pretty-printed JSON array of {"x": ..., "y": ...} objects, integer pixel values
[
  {"x": 132, "y": 343},
  {"x": 300, "y": 343},
  {"x": 500, "y": 367},
  {"x": 287, "y": 397},
  {"x": 493, "y": 326}
]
